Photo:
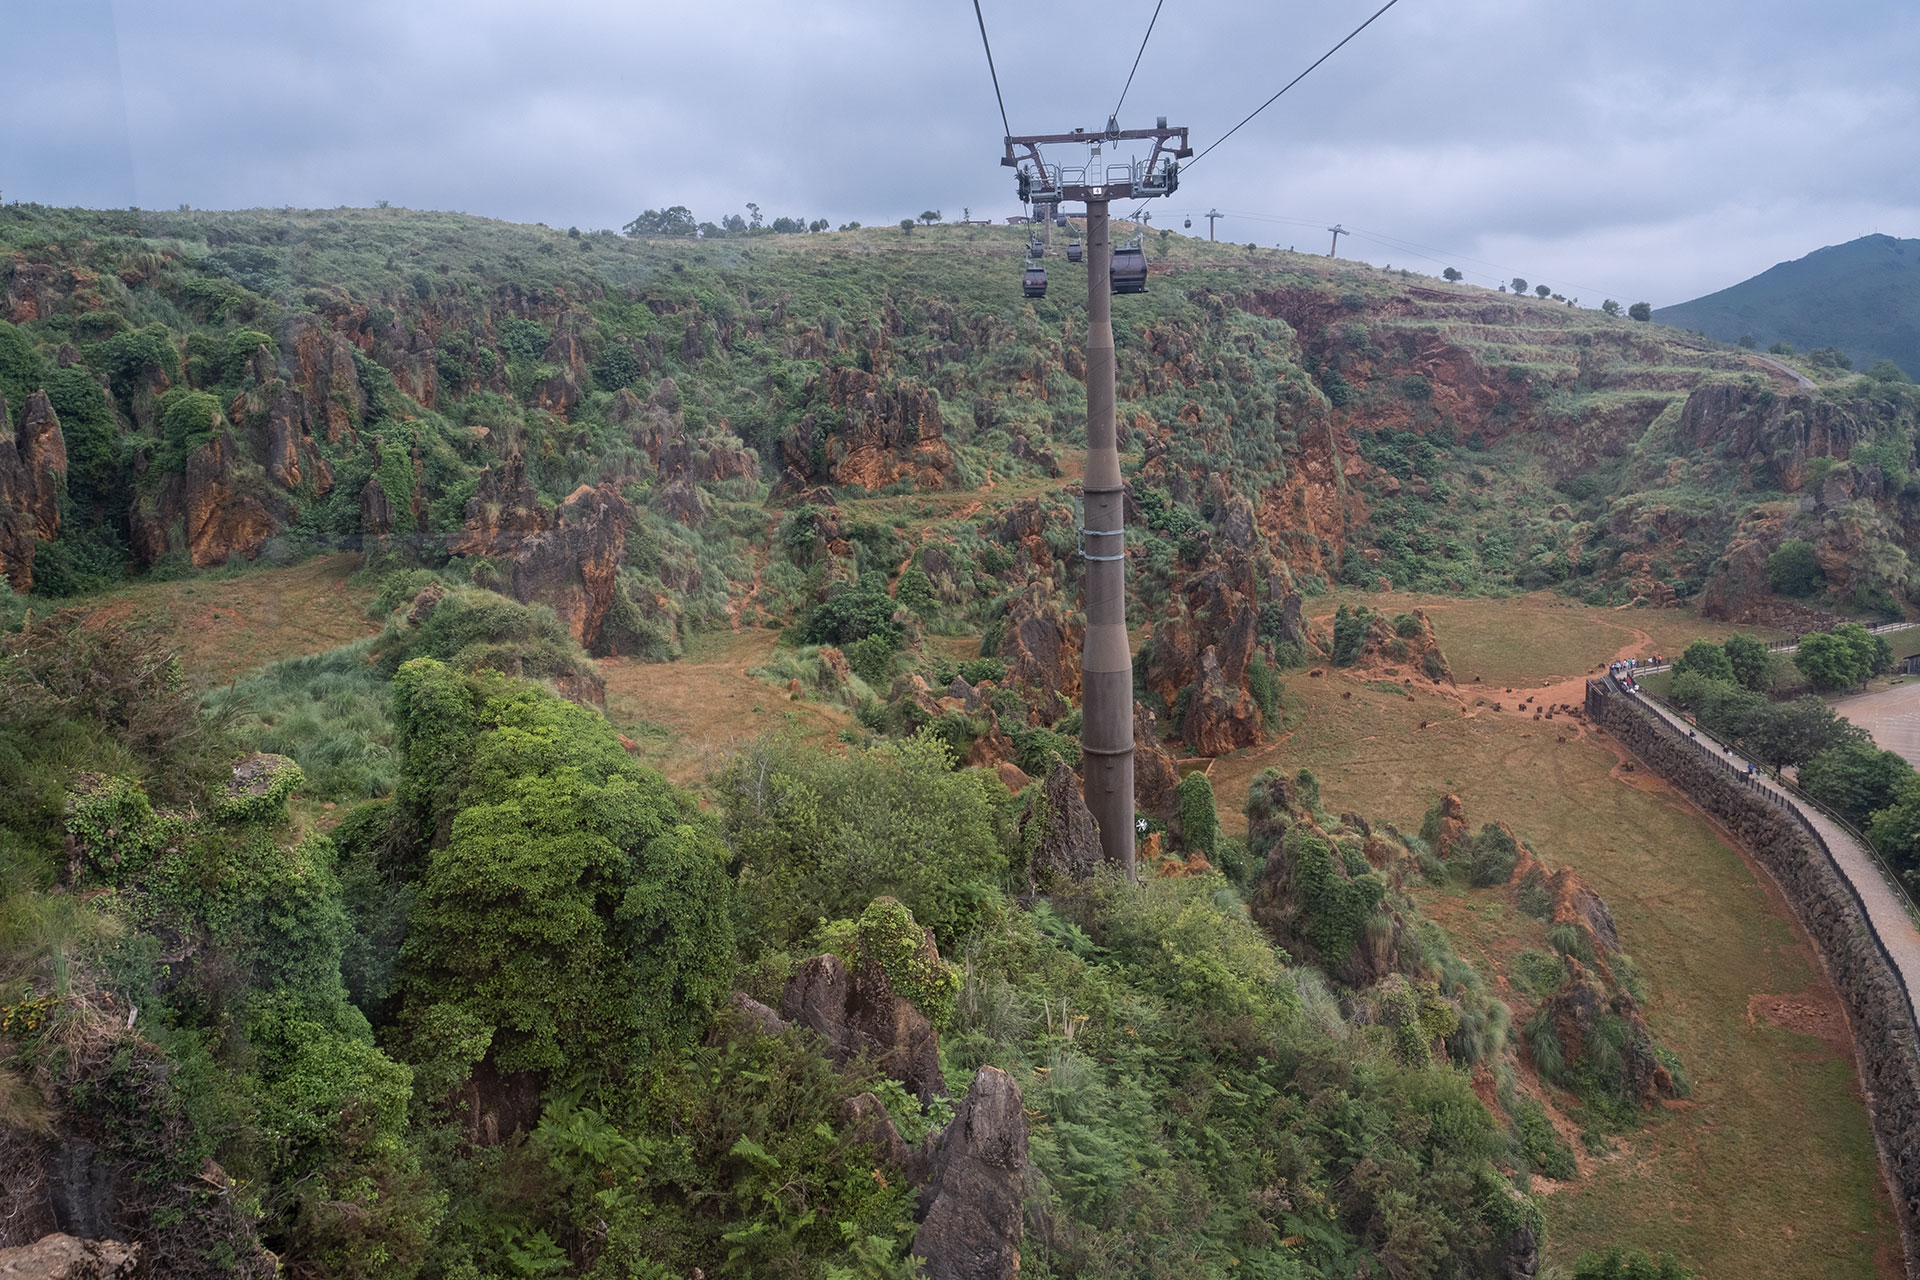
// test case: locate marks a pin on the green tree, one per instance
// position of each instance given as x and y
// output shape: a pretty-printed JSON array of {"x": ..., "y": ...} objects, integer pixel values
[
  {"x": 1199, "y": 821},
  {"x": 1519, "y": 284},
  {"x": 930, "y": 216},
  {"x": 1831, "y": 359},
  {"x": 1781, "y": 349},
  {"x": 1856, "y": 778},
  {"x": 1791, "y": 733},
  {"x": 1721, "y": 707},
  {"x": 1611, "y": 307},
  {"x": 676, "y": 220},
  {"x": 1542, "y": 290},
  {"x": 1705, "y": 658},
  {"x": 92, "y": 436},
  {"x": 1887, "y": 371},
  {"x": 188, "y": 420},
  {"x": 1751, "y": 663},
  {"x": 1794, "y": 569},
  {"x": 1640, "y": 311},
  {"x": 1618, "y": 1264},
  {"x": 1842, "y": 658},
  {"x": 577, "y": 914},
  {"x": 1746, "y": 340},
  {"x": 818, "y": 836},
  {"x": 1895, "y": 829},
  {"x": 1452, "y": 275},
  {"x": 906, "y": 224},
  {"x": 22, "y": 371}
]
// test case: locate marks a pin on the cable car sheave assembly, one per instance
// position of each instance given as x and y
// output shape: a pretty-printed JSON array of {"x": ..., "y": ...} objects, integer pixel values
[{"x": 1106, "y": 663}]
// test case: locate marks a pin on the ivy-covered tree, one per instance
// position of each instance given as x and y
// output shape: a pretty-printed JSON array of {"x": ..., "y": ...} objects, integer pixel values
[{"x": 578, "y": 914}]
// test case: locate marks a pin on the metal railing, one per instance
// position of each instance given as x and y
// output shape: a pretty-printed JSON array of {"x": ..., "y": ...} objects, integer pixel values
[
  {"x": 1785, "y": 646},
  {"x": 1790, "y": 805},
  {"x": 1895, "y": 883}
]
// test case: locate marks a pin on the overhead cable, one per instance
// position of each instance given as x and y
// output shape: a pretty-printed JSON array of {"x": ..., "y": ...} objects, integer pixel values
[
  {"x": 988, "y": 46},
  {"x": 1289, "y": 84},
  {"x": 1136, "y": 57}
]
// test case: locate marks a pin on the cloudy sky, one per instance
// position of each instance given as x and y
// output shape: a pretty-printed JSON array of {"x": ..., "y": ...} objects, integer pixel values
[{"x": 1652, "y": 149}]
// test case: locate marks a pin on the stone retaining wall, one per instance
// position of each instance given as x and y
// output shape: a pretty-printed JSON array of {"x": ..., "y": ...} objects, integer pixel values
[{"x": 1885, "y": 1038}]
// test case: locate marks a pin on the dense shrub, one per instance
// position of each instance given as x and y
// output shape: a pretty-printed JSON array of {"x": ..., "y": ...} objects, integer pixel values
[
  {"x": 1794, "y": 570},
  {"x": 816, "y": 836},
  {"x": 854, "y": 614},
  {"x": 1349, "y": 635},
  {"x": 1706, "y": 659},
  {"x": 577, "y": 914}
]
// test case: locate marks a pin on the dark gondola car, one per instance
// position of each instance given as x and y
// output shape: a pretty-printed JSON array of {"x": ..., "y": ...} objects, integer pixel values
[
  {"x": 1073, "y": 251},
  {"x": 1129, "y": 270},
  {"x": 1033, "y": 281}
]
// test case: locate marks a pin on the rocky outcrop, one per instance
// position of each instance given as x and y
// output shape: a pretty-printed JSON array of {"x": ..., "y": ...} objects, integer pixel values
[
  {"x": 332, "y": 401},
  {"x": 674, "y": 455},
  {"x": 1154, "y": 775},
  {"x": 63, "y": 1257},
  {"x": 33, "y": 480},
  {"x": 1772, "y": 436},
  {"x": 1221, "y": 717},
  {"x": 1059, "y": 830},
  {"x": 223, "y": 517},
  {"x": 503, "y": 513},
  {"x": 41, "y": 452},
  {"x": 376, "y": 511},
  {"x": 861, "y": 1014},
  {"x": 1041, "y": 645},
  {"x": 970, "y": 1226},
  {"x": 887, "y": 433},
  {"x": 567, "y": 558},
  {"x": 292, "y": 456},
  {"x": 243, "y": 486},
  {"x": 1200, "y": 653}
]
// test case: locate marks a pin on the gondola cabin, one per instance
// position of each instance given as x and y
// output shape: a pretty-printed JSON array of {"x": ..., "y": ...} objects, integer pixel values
[
  {"x": 1073, "y": 251},
  {"x": 1129, "y": 269},
  {"x": 1033, "y": 281}
]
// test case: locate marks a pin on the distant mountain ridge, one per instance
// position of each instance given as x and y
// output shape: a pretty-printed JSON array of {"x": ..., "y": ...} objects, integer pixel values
[{"x": 1862, "y": 297}]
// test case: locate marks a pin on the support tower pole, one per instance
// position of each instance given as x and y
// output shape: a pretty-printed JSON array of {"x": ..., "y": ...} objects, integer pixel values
[{"x": 1106, "y": 671}]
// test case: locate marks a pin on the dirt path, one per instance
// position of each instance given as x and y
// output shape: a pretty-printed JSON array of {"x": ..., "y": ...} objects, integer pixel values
[{"x": 687, "y": 717}]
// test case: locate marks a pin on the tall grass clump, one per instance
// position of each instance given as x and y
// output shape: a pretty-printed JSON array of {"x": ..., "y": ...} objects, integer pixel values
[{"x": 328, "y": 712}]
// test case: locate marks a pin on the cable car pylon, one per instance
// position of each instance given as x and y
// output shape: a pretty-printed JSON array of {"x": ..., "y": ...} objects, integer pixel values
[{"x": 1106, "y": 661}]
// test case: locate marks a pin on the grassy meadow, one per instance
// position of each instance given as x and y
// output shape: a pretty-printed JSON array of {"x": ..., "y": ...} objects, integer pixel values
[{"x": 1768, "y": 1168}]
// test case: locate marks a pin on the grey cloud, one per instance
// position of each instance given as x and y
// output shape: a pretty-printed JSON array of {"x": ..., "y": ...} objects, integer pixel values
[{"x": 1646, "y": 148}]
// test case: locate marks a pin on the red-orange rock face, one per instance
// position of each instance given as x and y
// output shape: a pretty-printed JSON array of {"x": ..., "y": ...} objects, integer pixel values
[
  {"x": 33, "y": 474},
  {"x": 42, "y": 452},
  {"x": 221, "y": 521},
  {"x": 891, "y": 433},
  {"x": 568, "y": 558}
]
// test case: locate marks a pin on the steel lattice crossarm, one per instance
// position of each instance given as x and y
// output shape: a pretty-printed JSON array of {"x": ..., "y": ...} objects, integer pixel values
[{"x": 1043, "y": 183}]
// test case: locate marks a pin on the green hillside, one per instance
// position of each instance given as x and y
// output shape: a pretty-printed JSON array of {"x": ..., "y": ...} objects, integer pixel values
[
  {"x": 1862, "y": 297},
  {"x": 663, "y": 856}
]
